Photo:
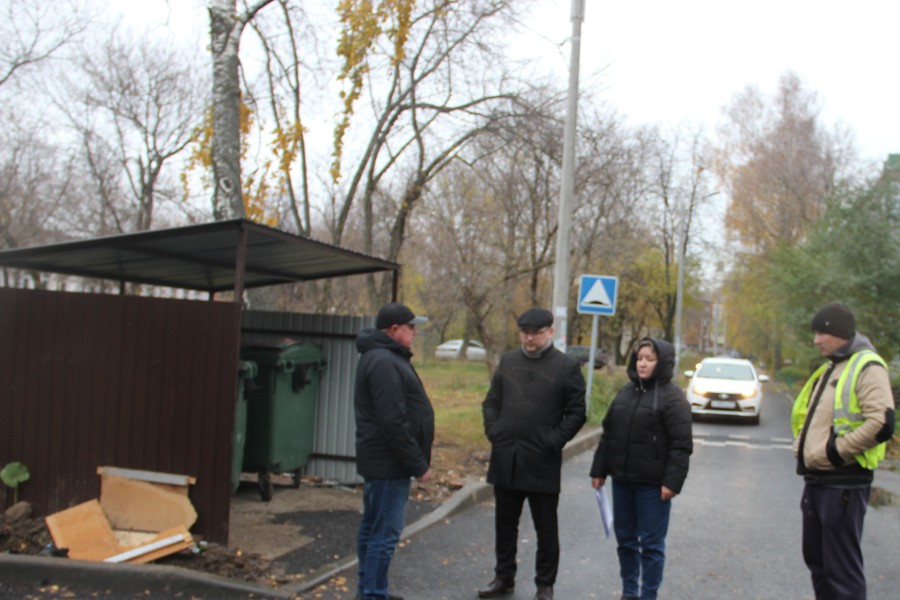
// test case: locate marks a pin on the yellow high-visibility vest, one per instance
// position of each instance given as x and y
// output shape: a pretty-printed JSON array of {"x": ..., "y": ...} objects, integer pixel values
[{"x": 847, "y": 414}]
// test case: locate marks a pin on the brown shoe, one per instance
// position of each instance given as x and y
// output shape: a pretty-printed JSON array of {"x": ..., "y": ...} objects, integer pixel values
[
  {"x": 544, "y": 592},
  {"x": 496, "y": 588}
]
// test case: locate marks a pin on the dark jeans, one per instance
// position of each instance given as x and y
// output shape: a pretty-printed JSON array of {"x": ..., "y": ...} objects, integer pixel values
[
  {"x": 640, "y": 520},
  {"x": 506, "y": 521},
  {"x": 832, "y": 533},
  {"x": 384, "y": 501}
]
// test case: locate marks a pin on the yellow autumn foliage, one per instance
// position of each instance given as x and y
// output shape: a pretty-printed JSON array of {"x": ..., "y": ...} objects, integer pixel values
[
  {"x": 363, "y": 22},
  {"x": 255, "y": 189}
]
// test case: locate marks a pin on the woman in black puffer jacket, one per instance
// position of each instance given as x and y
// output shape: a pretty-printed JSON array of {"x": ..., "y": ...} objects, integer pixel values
[{"x": 645, "y": 448}]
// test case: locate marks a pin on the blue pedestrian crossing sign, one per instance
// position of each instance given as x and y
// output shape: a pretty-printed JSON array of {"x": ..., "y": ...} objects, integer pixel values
[{"x": 597, "y": 295}]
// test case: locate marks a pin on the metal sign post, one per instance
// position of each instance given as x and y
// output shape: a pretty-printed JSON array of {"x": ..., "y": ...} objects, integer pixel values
[{"x": 596, "y": 296}]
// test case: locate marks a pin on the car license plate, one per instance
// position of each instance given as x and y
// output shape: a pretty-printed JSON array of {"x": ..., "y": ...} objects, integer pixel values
[{"x": 723, "y": 404}]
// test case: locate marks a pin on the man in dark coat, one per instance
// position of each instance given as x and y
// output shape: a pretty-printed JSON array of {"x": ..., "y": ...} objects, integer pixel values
[
  {"x": 394, "y": 433},
  {"x": 534, "y": 406}
]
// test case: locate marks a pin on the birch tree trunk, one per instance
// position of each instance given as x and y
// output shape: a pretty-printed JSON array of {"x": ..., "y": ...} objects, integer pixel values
[
  {"x": 225, "y": 36},
  {"x": 225, "y": 28}
]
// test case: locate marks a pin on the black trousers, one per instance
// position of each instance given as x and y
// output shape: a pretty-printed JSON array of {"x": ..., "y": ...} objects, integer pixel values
[
  {"x": 832, "y": 533},
  {"x": 506, "y": 521}
]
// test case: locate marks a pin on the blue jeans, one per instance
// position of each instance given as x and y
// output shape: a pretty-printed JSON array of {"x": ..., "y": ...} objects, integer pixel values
[
  {"x": 640, "y": 520},
  {"x": 384, "y": 501}
]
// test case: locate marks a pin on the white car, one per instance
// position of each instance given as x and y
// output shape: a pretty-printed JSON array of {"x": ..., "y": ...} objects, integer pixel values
[
  {"x": 727, "y": 387},
  {"x": 449, "y": 350}
]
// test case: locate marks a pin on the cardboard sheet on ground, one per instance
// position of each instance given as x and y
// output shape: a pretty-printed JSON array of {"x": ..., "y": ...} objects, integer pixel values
[
  {"x": 136, "y": 500},
  {"x": 141, "y": 516}
]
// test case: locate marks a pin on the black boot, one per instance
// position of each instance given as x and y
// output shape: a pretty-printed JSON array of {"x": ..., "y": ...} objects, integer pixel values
[
  {"x": 496, "y": 588},
  {"x": 544, "y": 592}
]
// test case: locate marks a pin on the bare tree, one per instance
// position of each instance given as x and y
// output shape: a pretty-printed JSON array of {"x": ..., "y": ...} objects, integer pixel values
[
  {"x": 458, "y": 252},
  {"x": 42, "y": 198},
  {"x": 35, "y": 175},
  {"x": 610, "y": 186},
  {"x": 425, "y": 112},
  {"x": 34, "y": 181},
  {"x": 680, "y": 184},
  {"x": 286, "y": 38},
  {"x": 489, "y": 226},
  {"x": 482, "y": 240},
  {"x": 33, "y": 31},
  {"x": 137, "y": 106}
]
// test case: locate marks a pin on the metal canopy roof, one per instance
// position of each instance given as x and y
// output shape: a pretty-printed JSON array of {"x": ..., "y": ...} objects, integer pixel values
[{"x": 206, "y": 257}]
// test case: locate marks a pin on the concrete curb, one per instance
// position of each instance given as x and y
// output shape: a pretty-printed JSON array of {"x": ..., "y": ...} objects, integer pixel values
[
  {"x": 469, "y": 495},
  {"x": 45, "y": 570}
]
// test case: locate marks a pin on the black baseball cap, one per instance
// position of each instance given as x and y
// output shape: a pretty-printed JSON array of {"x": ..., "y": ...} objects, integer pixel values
[{"x": 395, "y": 313}]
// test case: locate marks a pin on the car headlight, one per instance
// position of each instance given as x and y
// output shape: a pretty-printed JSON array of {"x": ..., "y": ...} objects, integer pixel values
[
  {"x": 698, "y": 389},
  {"x": 747, "y": 394}
]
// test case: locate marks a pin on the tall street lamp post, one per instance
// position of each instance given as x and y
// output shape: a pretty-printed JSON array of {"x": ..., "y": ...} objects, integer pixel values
[{"x": 564, "y": 220}]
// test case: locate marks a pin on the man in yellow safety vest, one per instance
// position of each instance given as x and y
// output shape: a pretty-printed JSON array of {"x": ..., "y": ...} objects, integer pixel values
[{"x": 841, "y": 421}]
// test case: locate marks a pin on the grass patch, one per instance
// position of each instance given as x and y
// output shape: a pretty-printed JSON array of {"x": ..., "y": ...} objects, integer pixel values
[
  {"x": 454, "y": 382},
  {"x": 604, "y": 387},
  {"x": 457, "y": 389}
]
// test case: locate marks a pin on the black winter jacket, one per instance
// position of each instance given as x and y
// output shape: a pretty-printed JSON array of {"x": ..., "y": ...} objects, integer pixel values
[
  {"x": 533, "y": 407},
  {"x": 647, "y": 430},
  {"x": 394, "y": 418}
]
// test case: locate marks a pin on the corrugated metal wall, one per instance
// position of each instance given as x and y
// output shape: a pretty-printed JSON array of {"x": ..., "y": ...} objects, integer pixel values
[
  {"x": 144, "y": 383},
  {"x": 334, "y": 455}
]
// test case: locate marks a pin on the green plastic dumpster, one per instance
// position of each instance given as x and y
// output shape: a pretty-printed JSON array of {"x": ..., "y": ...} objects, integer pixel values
[
  {"x": 246, "y": 373},
  {"x": 281, "y": 410}
]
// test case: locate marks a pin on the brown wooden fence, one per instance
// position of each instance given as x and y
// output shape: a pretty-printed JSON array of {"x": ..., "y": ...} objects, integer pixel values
[{"x": 144, "y": 383}]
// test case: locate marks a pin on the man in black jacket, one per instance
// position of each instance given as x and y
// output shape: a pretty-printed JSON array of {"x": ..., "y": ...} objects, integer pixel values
[
  {"x": 394, "y": 433},
  {"x": 534, "y": 406}
]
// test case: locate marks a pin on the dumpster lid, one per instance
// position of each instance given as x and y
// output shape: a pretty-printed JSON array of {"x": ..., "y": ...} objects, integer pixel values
[
  {"x": 267, "y": 342},
  {"x": 267, "y": 350}
]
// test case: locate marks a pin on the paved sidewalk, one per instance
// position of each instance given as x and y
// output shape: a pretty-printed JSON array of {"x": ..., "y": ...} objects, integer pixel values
[{"x": 470, "y": 495}]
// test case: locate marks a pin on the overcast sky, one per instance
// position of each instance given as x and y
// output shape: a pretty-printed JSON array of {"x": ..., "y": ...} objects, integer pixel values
[
  {"x": 670, "y": 61},
  {"x": 665, "y": 61}
]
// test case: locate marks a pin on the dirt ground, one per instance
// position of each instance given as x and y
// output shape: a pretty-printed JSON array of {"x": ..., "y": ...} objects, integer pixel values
[{"x": 296, "y": 533}]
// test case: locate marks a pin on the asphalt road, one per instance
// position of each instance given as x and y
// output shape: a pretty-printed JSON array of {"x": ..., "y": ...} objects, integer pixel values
[{"x": 734, "y": 532}]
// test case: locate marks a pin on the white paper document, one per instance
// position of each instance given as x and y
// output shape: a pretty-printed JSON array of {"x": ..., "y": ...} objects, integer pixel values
[{"x": 606, "y": 515}]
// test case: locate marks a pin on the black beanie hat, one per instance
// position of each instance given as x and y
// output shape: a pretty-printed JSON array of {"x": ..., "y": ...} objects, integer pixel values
[{"x": 835, "y": 319}]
